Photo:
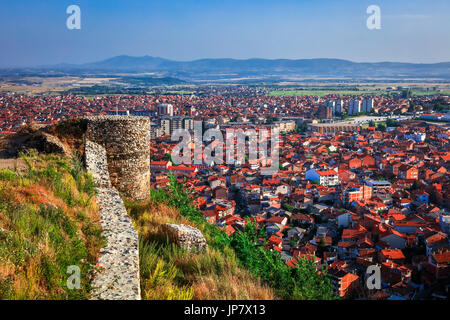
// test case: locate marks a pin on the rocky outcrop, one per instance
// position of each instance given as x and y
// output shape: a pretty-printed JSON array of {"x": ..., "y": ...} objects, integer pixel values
[
  {"x": 33, "y": 137},
  {"x": 184, "y": 236},
  {"x": 117, "y": 273}
]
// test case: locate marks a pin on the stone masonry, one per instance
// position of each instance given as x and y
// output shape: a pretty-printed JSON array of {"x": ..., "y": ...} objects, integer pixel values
[
  {"x": 185, "y": 236},
  {"x": 96, "y": 163},
  {"x": 127, "y": 143},
  {"x": 117, "y": 274}
]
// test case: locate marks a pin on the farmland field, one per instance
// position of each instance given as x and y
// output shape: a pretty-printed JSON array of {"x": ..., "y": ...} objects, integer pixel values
[
  {"x": 320, "y": 90},
  {"x": 321, "y": 93}
]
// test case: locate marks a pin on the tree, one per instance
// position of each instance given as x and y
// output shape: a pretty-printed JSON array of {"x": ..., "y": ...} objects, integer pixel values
[
  {"x": 302, "y": 282},
  {"x": 303, "y": 127},
  {"x": 392, "y": 123},
  {"x": 288, "y": 207},
  {"x": 416, "y": 185},
  {"x": 169, "y": 157},
  {"x": 438, "y": 107},
  {"x": 270, "y": 119},
  {"x": 381, "y": 127},
  {"x": 322, "y": 243}
]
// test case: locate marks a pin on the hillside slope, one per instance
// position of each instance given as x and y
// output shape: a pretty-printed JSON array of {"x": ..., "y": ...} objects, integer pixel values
[
  {"x": 172, "y": 273},
  {"x": 48, "y": 222}
]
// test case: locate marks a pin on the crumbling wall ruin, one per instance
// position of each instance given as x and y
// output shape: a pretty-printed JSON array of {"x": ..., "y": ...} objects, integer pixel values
[
  {"x": 117, "y": 274},
  {"x": 117, "y": 152},
  {"x": 127, "y": 143}
]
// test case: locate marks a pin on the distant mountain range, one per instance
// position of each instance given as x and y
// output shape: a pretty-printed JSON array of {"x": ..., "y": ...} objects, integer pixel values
[{"x": 265, "y": 68}]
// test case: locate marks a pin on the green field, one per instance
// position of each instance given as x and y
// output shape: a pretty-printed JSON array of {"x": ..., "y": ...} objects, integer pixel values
[
  {"x": 172, "y": 92},
  {"x": 321, "y": 93},
  {"x": 419, "y": 93}
]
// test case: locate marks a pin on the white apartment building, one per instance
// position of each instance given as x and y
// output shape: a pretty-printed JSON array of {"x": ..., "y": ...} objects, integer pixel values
[
  {"x": 417, "y": 136},
  {"x": 354, "y": 107},
  {"x": 367, "y": 106},
  {"x": 338, "y": 107},
  {"x": 323, "y": 177}
]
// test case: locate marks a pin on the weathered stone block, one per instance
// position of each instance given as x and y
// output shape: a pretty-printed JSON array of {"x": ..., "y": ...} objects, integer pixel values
[{"x": 185, "y": 236}]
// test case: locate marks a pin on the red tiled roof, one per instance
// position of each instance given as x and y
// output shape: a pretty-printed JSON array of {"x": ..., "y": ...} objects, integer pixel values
[
  {"x": 326, "y": 172},
  {"x": 442, "y": 257},
  {"x": 182, "y": 168},
  {"x": 393, "y": 254}
]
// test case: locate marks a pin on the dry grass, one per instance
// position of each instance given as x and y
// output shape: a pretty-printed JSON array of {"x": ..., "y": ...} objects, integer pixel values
[
  {"x": 48, "y": 221},
  {"x": 231, "y": 287},
  {"x": 169, "y": 272}
]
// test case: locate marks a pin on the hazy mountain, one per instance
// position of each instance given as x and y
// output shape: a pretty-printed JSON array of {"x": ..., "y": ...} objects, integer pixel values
[
  {"x": 145, "y": 63},
  {"x": 260, "y": 67}
]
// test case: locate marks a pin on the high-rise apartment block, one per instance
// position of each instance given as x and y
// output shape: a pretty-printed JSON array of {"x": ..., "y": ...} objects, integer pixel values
[
  {"x": 326, "y": 110},
  {"x": 354, "y": 107},
  {"x": 367, "y": 106},
  {"x": 338, "y": 107},
  {"x": 169, "y": 124},
  {"x": 165, "y": 109}
]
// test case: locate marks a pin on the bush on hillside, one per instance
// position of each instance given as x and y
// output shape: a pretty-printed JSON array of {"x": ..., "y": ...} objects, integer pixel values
[{"x": 301, "y": 282}]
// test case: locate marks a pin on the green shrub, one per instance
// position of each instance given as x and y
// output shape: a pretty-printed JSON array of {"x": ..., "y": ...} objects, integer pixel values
[{"x": 8, "y": 175}]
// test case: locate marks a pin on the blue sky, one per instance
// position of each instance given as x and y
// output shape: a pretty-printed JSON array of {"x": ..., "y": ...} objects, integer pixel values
[{"x": 34, "y": 32}]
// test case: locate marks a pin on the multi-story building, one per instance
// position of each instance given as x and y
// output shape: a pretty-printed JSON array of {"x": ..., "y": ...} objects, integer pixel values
[
  {"x": 416, "y": 136},
  {"x": 408, "y": 172},
  {"x": 323, "y": 177},
  {"x": 326, "y": 110},
  {"x": 165, "y": 109},
  {"x": 378, "y": 185},
  {"x": 181, "y": 123},
  {"x": 155, "y": 131},
  {"x": 169, "y": 124},
  {"x": 351, "y": 194},
  {"x": 343, "y": 283},
  {"x": 354, "y": 107},
  {"x": 367, "y": 106},
  {"x": 444, "y": 222},
  {"x": 285, "y": 125},
  {"x": 164, "y": 124},
  {"x": 338, "y": 107}
]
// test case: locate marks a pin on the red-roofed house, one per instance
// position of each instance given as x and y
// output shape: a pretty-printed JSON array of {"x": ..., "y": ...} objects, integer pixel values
[{"x": 323, "y": 177}]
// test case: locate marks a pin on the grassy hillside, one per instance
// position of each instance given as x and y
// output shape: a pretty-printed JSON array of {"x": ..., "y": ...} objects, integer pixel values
[
  {"x": 233, "y": 267},
  {"x": 171, "y": 273},
  {"x": 48, "y": 221}
]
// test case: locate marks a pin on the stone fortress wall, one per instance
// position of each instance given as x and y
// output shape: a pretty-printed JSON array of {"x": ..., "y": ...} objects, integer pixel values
[
  {"x": 127, "y": 143},
  {"x": 117, "y": 152}
]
